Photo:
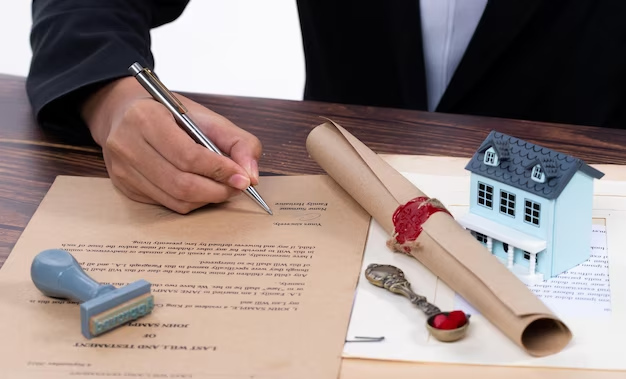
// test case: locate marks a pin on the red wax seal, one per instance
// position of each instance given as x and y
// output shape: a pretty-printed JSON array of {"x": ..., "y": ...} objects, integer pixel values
[
  {"x": 453, "y": 320},
  {"x": 408, "y": 218}
]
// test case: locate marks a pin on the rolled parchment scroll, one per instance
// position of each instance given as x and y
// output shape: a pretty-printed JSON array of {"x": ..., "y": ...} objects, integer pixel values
[{"x": 442, "y": 245}]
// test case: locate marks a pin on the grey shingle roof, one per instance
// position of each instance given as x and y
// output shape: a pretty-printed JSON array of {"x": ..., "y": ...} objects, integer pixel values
[{"x": 517, "y": 159}]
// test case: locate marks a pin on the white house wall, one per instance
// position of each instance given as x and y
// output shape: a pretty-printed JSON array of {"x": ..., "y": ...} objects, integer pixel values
[
  {"x": 543, "y": 231},
  {"x": 572, "y": 224},
  {"x": 547, "y": 207}
]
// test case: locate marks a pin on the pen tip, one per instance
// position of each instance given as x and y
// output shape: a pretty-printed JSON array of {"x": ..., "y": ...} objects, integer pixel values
[{"x": 252, "y": 192}]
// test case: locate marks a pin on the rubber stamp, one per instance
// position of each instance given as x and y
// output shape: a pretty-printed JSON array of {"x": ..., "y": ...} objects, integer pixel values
[{"x": 103, "y": 307}]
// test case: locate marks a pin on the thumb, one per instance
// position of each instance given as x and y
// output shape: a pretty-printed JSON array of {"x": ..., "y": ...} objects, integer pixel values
[
  {"x": 240, "y": 145},
  {"x": 246, "y": 153}
]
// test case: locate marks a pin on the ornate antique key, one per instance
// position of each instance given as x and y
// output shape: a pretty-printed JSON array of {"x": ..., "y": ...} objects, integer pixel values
[{"x": 392, "y": 279}]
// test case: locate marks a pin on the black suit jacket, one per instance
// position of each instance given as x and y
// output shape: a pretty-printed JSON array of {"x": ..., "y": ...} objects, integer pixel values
[{"x": 545, "y": 60}]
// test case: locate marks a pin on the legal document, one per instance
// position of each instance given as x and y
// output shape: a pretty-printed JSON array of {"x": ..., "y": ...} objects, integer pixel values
[{"x": 238, "y": 293}]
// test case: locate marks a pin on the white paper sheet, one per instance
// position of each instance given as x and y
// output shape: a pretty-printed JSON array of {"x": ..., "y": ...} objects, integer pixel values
[{"x": 598, "y": 333}]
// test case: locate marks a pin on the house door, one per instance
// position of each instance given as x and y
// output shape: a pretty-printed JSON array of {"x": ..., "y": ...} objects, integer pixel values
[
  {"x": 532, "y": 266},
  {"x": 527, "y": 256}
]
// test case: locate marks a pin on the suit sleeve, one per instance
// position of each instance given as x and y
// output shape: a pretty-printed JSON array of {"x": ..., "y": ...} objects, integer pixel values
[{"x": 80, "y": 45}]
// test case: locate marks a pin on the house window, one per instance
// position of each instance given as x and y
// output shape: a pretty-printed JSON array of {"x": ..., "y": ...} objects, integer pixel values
[
  {"x": 531, "y": 212},
  {"x": 490, "y": 157},
  {"x": 507, "y": 203},
  {"x": 485, "y": 195},
  {"x": 481, "y": 237},
  {"x": 538, "y": 174}
]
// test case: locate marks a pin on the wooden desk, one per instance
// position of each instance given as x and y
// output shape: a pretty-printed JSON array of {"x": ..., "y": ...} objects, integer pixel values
[{"x": 31, "y": 158}]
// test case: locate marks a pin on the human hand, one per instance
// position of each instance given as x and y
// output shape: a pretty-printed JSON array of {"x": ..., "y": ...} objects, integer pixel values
[{"x": 152, "y": 160}]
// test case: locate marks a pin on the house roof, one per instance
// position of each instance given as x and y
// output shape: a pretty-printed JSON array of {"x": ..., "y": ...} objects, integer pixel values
[{"x": 517, "y": 159}]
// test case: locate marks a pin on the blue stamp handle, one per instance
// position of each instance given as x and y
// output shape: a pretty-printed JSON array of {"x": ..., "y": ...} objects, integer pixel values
[{"x": 57, "y": 274}]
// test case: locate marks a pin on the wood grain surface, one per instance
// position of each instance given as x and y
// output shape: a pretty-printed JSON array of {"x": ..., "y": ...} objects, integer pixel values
[{"x": 31, "y": 157}]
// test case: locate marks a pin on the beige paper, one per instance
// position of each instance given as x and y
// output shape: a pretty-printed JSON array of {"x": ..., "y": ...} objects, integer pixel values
[
  {"x": 238, "y": 293},
  {"x": 444, "y": 246}
]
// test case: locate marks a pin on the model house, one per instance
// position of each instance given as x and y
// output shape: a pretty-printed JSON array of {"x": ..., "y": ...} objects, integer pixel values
[{"x": 530, "y": 206}]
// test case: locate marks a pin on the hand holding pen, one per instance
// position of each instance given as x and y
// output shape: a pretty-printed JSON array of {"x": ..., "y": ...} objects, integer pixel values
[
  {"x": 151, "y": 159},
  {"x": 153, "y": 85}
]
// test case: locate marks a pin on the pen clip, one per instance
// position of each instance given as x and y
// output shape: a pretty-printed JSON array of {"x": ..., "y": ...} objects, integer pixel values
[{"x": 165, "y": 92}]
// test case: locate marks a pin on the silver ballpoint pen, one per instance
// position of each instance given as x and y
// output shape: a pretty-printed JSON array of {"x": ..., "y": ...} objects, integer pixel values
[{"x": 160, "y": 93}]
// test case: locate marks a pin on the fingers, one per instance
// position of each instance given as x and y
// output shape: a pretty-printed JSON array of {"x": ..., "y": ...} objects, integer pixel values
[
  {"x": 176, "y": 147},
  {"x": 242, "y": 147},
  {"x": 246, "y": 153},
  {"x": 176, "y": 183},
  {"x": 133, "y": 184},
  {"x": 150, "y": 162},
  {"x": 126, "y": 187},
  {"x": 152, "y": 167}
]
